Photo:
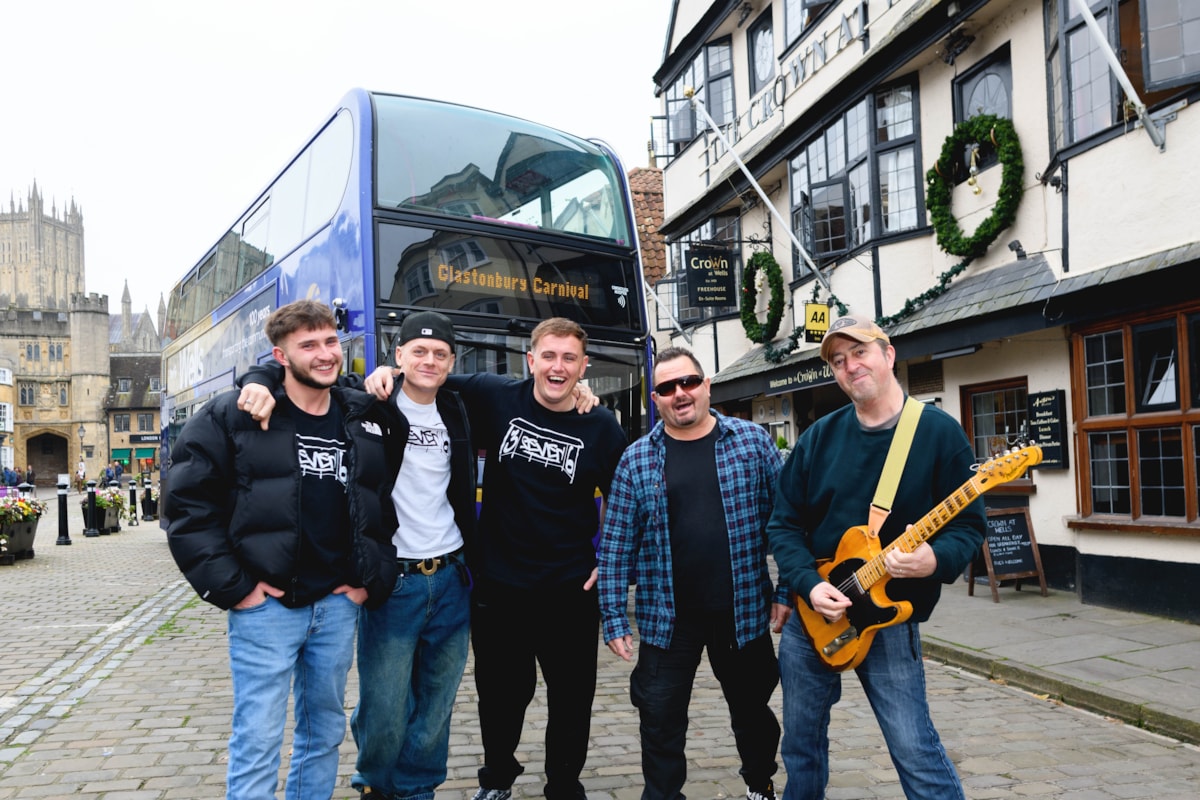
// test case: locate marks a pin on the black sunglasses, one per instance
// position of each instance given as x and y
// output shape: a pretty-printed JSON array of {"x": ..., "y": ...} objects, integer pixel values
[{"x": 667, "y": 388}]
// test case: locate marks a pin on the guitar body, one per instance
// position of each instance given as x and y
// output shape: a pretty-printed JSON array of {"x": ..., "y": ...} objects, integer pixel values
[
  {"x": 843, "y": 644},
  {"x": 857, "y": 568}
]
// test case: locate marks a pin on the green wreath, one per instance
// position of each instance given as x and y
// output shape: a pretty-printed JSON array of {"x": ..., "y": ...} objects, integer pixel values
[
  {"x": 755, "y": 331},
  {"x": 1001, "y": 133}
]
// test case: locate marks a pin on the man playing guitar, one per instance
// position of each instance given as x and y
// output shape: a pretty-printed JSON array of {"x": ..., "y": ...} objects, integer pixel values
[{"x": 825, "y": 489}]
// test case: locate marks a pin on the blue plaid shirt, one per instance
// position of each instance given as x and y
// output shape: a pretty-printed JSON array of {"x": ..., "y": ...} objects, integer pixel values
[{"x": 635, "y": 544}]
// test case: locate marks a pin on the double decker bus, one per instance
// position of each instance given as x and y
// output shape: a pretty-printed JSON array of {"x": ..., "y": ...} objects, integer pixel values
[{"x": 399, "y": 204}]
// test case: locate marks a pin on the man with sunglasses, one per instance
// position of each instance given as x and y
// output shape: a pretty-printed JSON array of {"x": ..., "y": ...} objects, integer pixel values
[{"x": 686, "y": 519}]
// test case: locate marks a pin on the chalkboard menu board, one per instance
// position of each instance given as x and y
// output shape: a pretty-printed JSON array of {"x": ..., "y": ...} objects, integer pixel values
[
  {"x": 1009, "y": 551},
  {"x": 1048, "y": 427}
]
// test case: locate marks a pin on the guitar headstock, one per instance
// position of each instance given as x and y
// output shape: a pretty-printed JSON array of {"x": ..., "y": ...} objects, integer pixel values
[{"x": 1011, "y": 465}]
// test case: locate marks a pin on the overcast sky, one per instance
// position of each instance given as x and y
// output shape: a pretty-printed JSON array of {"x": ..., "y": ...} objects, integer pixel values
[{"x": 163, "y": 120}]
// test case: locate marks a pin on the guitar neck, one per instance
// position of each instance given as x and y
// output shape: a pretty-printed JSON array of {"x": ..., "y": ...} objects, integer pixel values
[{"x": 921, "y": 531}]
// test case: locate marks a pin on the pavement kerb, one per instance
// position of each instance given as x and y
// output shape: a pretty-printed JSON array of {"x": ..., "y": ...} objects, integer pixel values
[{"x": 1039, "y": 682}]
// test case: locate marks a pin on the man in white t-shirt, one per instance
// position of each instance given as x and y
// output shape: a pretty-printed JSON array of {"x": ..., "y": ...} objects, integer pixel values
[{"x": 412, "y": 651}]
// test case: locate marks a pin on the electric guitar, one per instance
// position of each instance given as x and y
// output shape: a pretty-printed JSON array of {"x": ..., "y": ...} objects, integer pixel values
[{"x": 858, "y": 572}]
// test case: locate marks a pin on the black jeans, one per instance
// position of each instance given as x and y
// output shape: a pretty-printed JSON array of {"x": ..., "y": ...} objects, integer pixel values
[
  {"x": 513, "y": 632},
  {"x": 661, "y": 688}
]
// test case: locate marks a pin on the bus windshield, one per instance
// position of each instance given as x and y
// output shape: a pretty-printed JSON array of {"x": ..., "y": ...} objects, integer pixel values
[
  {"x": 397, "y": 204},
  {"x": 504, "y": 278},
  {"x": 490, "y": 167}
]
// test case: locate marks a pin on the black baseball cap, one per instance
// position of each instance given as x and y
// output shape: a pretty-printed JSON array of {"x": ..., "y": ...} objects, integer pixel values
[{"x": 426, "y": 325}]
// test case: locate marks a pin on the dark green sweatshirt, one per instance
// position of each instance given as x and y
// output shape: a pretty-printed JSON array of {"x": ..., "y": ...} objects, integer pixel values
[{"x": 829, "y": 480}]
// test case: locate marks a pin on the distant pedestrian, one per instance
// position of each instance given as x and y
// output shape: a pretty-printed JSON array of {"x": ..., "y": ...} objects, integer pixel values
[{"x": 30, "y": 476}]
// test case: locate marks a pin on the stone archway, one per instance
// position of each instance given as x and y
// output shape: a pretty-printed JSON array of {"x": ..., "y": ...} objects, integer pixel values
[{"x": 47, "y": 454}]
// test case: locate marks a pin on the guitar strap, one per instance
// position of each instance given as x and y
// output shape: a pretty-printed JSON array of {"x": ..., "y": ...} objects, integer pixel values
[{"x": 889, "y": 480}]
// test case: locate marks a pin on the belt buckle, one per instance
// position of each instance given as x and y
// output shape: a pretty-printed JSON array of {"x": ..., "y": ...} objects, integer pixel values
[{"x": 428, "y": 566}]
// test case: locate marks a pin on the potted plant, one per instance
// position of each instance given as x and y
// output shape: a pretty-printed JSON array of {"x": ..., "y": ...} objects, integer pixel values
[
  {"x": 113, "y": 503},
  {"x": 18, "y": 523},
  {"x": 109, "y": 505}
]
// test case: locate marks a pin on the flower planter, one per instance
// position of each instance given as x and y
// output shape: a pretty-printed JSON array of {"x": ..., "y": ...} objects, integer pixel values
[
  {"x": 20, "y": 540},
  {"x": 19, "y": 515},
  {"x": 108, "y": 518},
  {"x": 100, "y": 523},
  {"x": 149, "y": 509}
]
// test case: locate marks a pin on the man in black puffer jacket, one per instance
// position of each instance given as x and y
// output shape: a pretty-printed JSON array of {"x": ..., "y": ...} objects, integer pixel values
[{"x": 289, "y": 530}]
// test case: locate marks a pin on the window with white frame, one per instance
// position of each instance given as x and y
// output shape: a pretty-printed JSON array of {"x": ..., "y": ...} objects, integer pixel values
[
  {"x": 1140, "y": 426},
  {"x": 464, "y": 254},
  {"x": 145, "y": 422},
  {"x": 418, "y": 282},
  {"x": 121, "y": 423},
  {"x": 857, "y": 179},
  {"x": 1158, "y": 42},
  {"x": 995, "y": 416}
]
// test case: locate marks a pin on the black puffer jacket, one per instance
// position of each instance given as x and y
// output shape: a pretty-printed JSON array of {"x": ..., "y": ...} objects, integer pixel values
[{"x": 233, "y": 499}]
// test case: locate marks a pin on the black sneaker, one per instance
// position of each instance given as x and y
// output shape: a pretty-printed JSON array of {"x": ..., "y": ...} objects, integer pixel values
[
  {"x": 367, "y": 793},
  {"x": 500, "y": 794},
  {"x": 762, "y": 793}
]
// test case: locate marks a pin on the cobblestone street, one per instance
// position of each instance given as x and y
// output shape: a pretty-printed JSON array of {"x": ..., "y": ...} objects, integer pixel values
[{"x": 114, "y": 684}]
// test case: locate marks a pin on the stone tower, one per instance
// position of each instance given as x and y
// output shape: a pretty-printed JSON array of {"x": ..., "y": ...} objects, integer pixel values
[
  {"x": 53, "y": 338},
  {"x": 41, "y": 255}
]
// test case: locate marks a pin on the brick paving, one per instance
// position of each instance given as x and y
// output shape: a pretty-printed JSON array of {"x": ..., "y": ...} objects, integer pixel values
[{"x": 114, "y": 685}]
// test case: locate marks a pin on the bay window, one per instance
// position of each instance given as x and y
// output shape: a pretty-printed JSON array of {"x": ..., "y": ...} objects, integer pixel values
[{"x": 1139, "y": 424}]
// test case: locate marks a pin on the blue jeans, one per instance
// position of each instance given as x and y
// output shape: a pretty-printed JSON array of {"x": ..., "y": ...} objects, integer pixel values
[
  {"x": 893, "y": 677},
  {"x": 411, "y": 656},
  {"x": 270, "y": 646}
]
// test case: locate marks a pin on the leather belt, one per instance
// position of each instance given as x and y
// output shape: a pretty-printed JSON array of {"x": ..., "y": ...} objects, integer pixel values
[{"x": 428, "y": 566}]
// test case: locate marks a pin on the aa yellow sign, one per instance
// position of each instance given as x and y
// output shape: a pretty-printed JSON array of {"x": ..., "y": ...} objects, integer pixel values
[{"x": 816, "y": 321}]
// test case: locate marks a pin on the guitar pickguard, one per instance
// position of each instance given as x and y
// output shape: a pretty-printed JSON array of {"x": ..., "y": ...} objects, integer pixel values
[{"x": 865, "y": 613}]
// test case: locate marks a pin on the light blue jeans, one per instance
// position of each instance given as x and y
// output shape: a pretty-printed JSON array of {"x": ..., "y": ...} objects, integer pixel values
[
  {"x": 270, "y": 646},
  {"x": 893, "y": 677},
  {"x": 411, "y": 656}
]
